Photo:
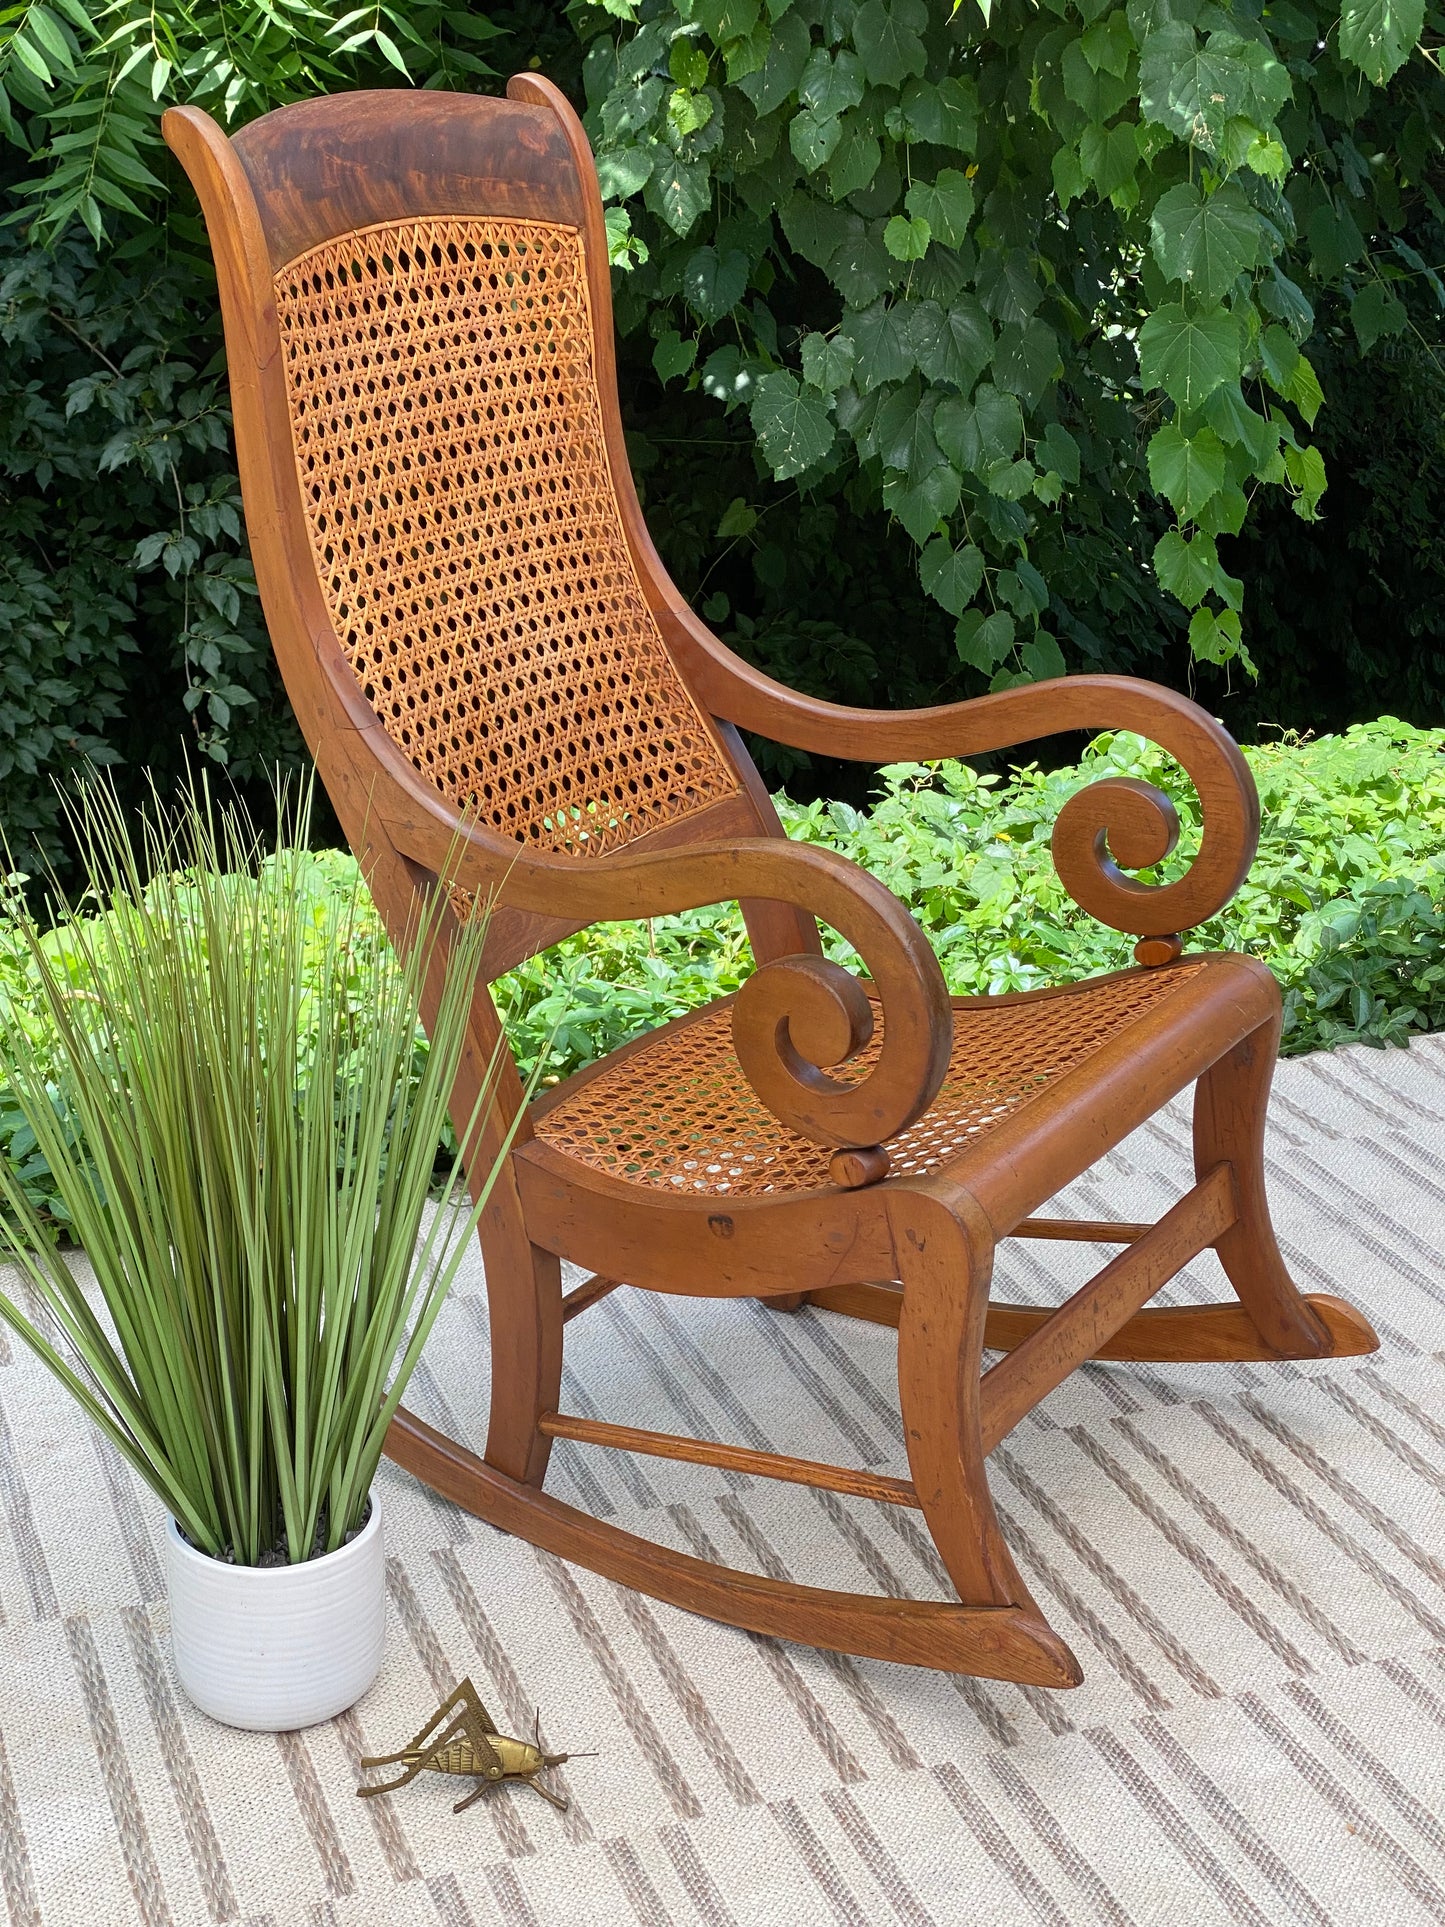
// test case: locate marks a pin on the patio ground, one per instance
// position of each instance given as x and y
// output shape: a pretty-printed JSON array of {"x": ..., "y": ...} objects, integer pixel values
[{"x": 1247, "y": 1560}]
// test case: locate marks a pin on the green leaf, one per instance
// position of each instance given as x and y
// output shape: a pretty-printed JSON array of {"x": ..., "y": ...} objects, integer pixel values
[
  {"x": 1108, "y": 45},
  {"x": 713, "y": 283},
  {"x": 1026, "y": 359},
  {"x": 672, "y": 355},
  {"x": 1305, "y": 468},
  {"x": 1335, "y": 240},
  {"x": 1186, "y": 469},
  {"x": 1194, "y": 89},
  {"x": 1006, "y": 285},
  {"x": 1189, "y": 355},
  {"x": 862, "y": 267},
  {"x": 945, "y": 115},
  {"x": 813, "y": 139},
  {"x": 1215, "y": 638},
  {"x": 687, "y": 64},
  {"x": 946, "y": 205},
  {"x": 827, "y": 364},
  {"x": 1042, "y": 657},
  {"x": 1108, "y": 156},
  {"x": 831, "y": 84},
  {"x": 953, "y": 344},
  {"x": 1057, "y": 449},
  {"x": 881, "y": 337},
  {"x": 1278, "y": 357},
  {"x": 738, "y": 518},
  {"x": 724, "y": 20},
  {"x": 1011, "y": 481},
  {"x": 1098, "y": 95},
  {"x": 1376, "y": 312},
  {"x": 886, "y": 35},
  {"x": 983, "y": 641},
  {"x": 905, "y": 239},
  {"x": 1380, "y": 35},
  {"x": 622, "y": 171},
  {"x": 921, "y": 502},
  {"x": 679, "y": 191},
  {"x": 1186, "y": 568},
  {"x": 1224, "y": 513},
  {"x": 777, "y": 79},
  {"x": 1207, "y": 244},
  {"x": 977, "y": 435},
  {"x": 855, "y": 160},
  {"x": 951, "y": 575},
  {"x": 816, "y": 230},
  {"x": 686, "y": 113},
  {"x": 1239, "y": 425},
  {"x": 1023, "y": 589},
  {"x": 793, "y": 427}
]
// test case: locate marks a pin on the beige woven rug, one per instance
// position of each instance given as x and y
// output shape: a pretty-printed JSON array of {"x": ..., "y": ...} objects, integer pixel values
[{"x": 1248, "y": 1562}]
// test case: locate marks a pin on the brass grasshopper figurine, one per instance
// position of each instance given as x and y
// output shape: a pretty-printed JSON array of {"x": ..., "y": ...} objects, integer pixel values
[{"x": 462, "y": 1737}]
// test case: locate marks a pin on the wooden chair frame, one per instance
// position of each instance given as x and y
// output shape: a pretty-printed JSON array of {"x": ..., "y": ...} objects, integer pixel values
[{"x": 911, "y": 1252}]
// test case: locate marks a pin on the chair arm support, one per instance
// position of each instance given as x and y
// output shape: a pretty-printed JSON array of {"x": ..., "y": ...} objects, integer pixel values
[
  {"x": 1114, "y": 824},
  {"x": 795, "y": 1018}
]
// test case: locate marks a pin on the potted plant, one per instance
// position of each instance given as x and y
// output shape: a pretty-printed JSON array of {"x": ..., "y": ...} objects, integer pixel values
[{"x": 223, "y": 1069}]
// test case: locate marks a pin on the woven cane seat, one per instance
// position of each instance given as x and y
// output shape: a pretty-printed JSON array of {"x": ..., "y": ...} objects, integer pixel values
[{"x": 677, "y": 1114}]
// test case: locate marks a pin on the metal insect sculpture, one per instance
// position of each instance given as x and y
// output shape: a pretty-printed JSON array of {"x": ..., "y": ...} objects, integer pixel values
[{"x": 462, "y": 1737}]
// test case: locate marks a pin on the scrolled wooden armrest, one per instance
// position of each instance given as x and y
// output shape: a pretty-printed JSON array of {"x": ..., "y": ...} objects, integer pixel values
[
  {"x": 797, "y": 1017},
  {"x": 1113, "y": 825}
]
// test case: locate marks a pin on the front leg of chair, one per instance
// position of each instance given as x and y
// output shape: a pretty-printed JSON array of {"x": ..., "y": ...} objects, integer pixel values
[
  {"x": 944, "y": 1252},
  {"x": 1230, "y": 1105}
]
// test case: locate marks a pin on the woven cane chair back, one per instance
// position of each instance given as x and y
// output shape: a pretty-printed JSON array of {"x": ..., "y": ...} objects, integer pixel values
[{"x": 464, "y": 525}]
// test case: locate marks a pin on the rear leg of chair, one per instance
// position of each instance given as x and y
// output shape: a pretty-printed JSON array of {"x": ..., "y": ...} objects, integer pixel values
[
  {"x": 945, "y": 1259},
  {"x": 1230, "y": 1103},
  {"x": 524, "y": 1299}
]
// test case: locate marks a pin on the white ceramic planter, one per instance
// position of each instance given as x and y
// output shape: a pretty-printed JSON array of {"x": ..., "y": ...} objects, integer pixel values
[{"x": 276, "y": 1647}]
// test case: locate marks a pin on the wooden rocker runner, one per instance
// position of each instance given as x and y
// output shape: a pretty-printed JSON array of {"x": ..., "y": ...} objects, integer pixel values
[{"x": 481, "y": 644}]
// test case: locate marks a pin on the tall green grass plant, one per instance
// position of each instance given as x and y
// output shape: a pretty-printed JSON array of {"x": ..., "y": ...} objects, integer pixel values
[{"x": 220, "y": 1072}]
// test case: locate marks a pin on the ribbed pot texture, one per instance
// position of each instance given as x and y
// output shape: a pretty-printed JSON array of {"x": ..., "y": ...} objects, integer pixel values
[{"x": 275, "y": 1647}]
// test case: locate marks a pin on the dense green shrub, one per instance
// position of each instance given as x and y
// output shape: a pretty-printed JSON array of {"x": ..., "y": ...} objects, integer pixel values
[
  {"x": 1079, "y": 202},
  {"x": 1008, "y": 269},
  {"x": 1346, "y": 903}
]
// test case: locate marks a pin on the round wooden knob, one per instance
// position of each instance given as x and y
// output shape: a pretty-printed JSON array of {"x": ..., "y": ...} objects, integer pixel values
[{"x": 853, "y": 1169}]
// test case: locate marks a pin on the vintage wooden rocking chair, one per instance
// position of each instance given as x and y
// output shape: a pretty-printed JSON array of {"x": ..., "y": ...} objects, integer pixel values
[{"x": 480, "y": 640}]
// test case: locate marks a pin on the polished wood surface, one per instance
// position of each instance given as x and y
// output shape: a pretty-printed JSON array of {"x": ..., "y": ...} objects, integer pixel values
[
  {"x": 820, "y": 1063},
  {"x": 732, "y": 1458}
]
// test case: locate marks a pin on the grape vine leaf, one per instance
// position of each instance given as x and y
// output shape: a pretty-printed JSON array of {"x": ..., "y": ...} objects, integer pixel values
[
  {"x": 951, "y": 575},
  {"x": 1379, "y": 35},
  {"x": 886, "y": 35},
  {"x": 780, "y": 73},
  {"x": 1186, "y": 469},
  {"x": 827, "y": 364},
  {"x": 1205, "y": 243},
  {"x": 946, "y": 204},
  {"x": 1189, "y": 355},
  {"x": 793, "y": 427}
]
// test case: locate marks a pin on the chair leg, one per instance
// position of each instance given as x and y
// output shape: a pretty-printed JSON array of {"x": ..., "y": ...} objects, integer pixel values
[
  {"x": 945, "y": 1260},
  {"x": 1230, "y": 1102},
  {"x": 524, "y": 1300}
]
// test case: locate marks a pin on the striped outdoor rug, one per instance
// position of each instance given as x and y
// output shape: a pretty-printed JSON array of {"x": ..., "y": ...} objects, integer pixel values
[{"x": 1248, "y": 1562}]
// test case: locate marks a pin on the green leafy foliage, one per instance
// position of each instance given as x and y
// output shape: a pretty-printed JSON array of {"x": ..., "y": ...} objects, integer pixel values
[
  {"x": 1122, "y": 221},
  {"x": 1345, "y": 903},
  {"x": 128, "y": 610}
]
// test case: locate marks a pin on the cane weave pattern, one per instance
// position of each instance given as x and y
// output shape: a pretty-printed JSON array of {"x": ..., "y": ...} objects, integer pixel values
[
  {"x": 449, "y": 443},
  {"x": 679, "y": 1114}
]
